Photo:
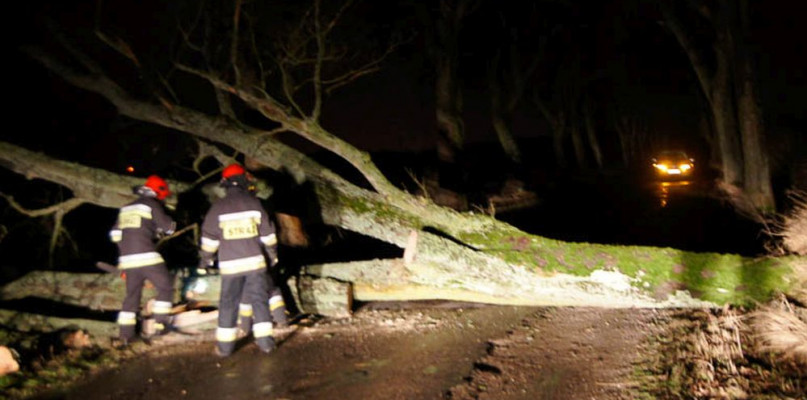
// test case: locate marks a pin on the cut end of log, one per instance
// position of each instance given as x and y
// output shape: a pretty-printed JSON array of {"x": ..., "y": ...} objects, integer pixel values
[
  {"x": 8, "y": 361},
  {"x": 78, "y": 339},
  {"x": 410, "y": 252}
]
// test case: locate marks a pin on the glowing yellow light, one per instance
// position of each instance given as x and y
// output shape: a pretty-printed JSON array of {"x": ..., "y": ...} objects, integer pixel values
[
  {"x": 685, "y": 167},
  {"x": 130, "y": 169}
]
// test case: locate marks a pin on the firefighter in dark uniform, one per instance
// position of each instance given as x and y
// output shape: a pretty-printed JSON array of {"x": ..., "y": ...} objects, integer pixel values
[
  {"x": 238, "y": 228},
  {"x": 277, "y": 306},
  {"x": 138, "y": 227}
]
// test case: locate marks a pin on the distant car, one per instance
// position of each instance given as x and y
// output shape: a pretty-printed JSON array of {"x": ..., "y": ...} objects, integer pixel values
[{"x": 673, "y": 164}]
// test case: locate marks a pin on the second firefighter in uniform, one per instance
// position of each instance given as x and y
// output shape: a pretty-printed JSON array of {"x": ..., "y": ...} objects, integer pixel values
[
  {"x": 238, "y": 229},
  {"x": 139, "y": 225}
]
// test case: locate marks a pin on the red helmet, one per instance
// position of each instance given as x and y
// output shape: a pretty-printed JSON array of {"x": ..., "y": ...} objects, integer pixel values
[
  {"x": 159, "y": 186},
  {"x": 232, "y": 170}
]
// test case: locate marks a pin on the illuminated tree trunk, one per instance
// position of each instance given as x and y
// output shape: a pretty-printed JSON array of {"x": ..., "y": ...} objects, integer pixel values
[
  {"x": 578, "y": 144},
  {"x": 755, "y": 151},
  {"x": 728, "y": 85},
  {"x": 591, "y": 135},
  {"x": 448, "y": 95},
  {"x": 507, "y": 88}
]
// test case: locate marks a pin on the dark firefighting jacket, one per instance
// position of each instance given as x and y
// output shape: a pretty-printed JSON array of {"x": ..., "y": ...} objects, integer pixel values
[
  {"x": 239, "y": 228},
  {"x": 139, "y": 225}
]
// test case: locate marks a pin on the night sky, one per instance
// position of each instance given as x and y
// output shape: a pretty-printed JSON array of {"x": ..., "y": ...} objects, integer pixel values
[{"x": 630, "y": 60}]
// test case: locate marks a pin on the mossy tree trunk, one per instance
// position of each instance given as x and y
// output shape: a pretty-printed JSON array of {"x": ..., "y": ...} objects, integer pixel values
[{"x": 477, "y": 257}]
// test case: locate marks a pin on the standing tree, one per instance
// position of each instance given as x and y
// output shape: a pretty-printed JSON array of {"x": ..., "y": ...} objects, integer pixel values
[
  {"x": 450, "y": 127},
  {"x": 715, "y": 37},
  {"x": 508, "y": 79}
]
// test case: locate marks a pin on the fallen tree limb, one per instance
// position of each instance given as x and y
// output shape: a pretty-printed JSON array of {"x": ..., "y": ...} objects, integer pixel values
[
  {"x": 93, "y": 291},
  {"x": 28, "y": 322}
]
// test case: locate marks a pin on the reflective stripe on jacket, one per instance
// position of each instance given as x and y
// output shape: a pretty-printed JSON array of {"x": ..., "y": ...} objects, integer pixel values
[
  {"x": 239, "y": 229},
  {"x": 139, "y": 225}
]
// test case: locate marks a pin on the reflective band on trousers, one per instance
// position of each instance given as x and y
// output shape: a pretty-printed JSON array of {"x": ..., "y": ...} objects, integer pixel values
[
  {"x": 276, "y": 302},
  {"x": 161, "y": 307},
  {"x": 245, "y": 310},
  {"x": 262, "y": 329},
  {"x": 210, "y": 245},
  {"x": 226, "y": 334},
  {"x": 139, "y": 260},
  {"x": 245, "y": 264},
  {"x": 127, "y": 318},
  {"x": 269, "y": 240}
]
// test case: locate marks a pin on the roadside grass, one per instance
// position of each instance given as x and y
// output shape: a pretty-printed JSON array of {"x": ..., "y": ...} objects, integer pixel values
[
  {"x": 728, "y": 353},
  {"x": 45, "y": 367}
]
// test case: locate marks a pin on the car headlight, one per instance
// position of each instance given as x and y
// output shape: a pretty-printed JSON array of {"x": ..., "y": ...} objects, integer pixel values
[
  {"x": 661, "y": 167},
  {"x": 685, "y": 167}
]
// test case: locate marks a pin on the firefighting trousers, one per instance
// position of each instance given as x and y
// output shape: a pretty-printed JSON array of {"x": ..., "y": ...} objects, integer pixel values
[
  {"x": 277, "y": 310},
  {"x": 252, "y": 289},
  {"x": 136, "y": 278}
]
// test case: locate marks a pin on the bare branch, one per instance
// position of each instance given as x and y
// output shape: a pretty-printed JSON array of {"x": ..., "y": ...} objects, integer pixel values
[
  {"x": 688, "y": 45},
  {"x": 207, "y": 150},
  {"x": 267, "y": 105},
  {"x": 289, "y": 89},
  {"x": 185, "y": 33},
  {"x": 348, "y": 78},
  {"x": 194, "y": 227},
  {"x": 64, "y": 206},
  {"x": 370, "y": 67},
  {"x": 262, "y": 73},
  {"x": 167, "y": 85},
  {"x": 234, "y": 42},
  {"x": 120, "y": 46},
  {"x": 335, "y": 20},
  {"x": 320, "y": 37},
  {"x": 311, "y": 130}
]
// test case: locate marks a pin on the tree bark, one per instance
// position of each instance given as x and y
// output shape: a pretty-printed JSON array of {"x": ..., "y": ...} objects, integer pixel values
[
  {"x": 558, "y": 124},
  {"x": 450, "y": 126},
  {"x": 505, "y": 136},
  {"x": 103, "y": 292},
  {"x": 756, "y": 167},
  {"x": 579, "y": 147},
  {"x": 28, "y": 322},
  {"x": 506, "y": 90},
  {"x": 591, "y": 134},
  {"x": 752, "y": 129}
]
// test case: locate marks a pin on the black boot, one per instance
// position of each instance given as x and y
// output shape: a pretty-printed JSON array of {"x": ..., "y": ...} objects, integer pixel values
[{"x": 266, "y": 344}]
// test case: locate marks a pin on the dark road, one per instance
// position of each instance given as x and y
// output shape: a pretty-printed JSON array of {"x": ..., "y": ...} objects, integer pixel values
[{"x": 683, "y": 214}]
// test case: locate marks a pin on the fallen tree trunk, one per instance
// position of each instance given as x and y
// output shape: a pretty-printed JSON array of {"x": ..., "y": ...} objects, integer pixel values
[
  {"x": 322, "y": 296},
  {"x": 103, "y": 292},
  {"x": 488, "y": 256}
]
